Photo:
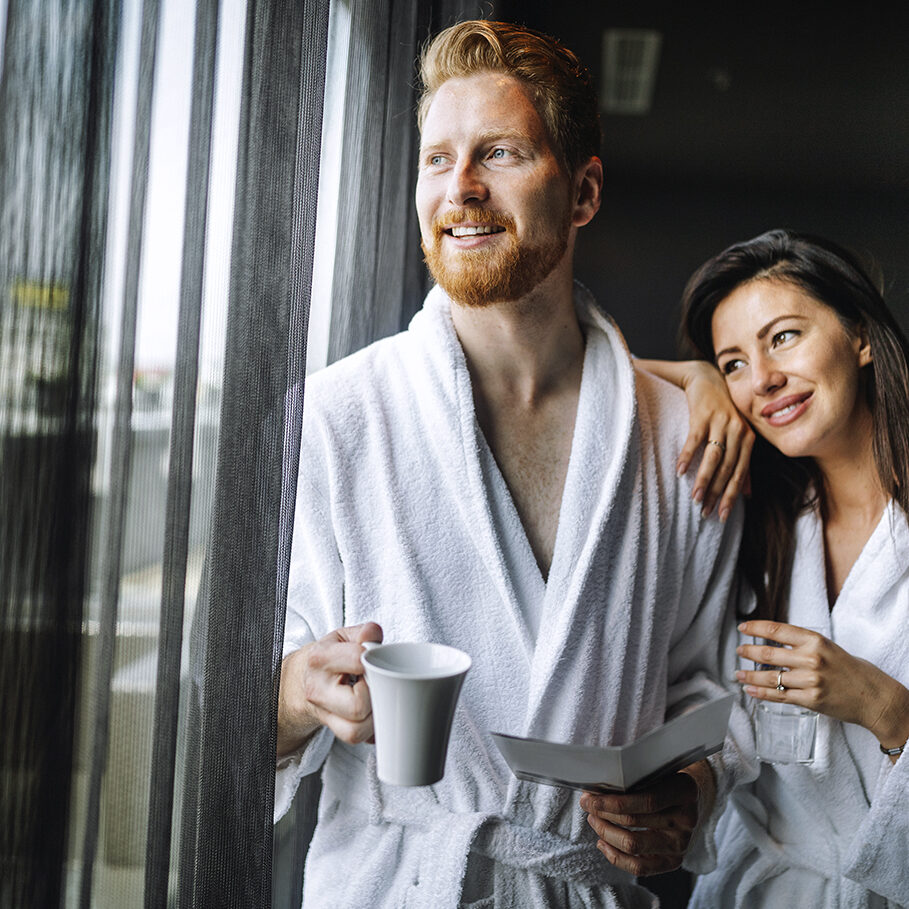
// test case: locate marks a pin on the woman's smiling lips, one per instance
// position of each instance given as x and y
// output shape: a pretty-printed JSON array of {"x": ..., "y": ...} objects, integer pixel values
[{"x": 785, "y": 410}]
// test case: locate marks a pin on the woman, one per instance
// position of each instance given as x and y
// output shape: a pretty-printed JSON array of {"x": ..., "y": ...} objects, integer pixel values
[{"x": 817, "y": 365}]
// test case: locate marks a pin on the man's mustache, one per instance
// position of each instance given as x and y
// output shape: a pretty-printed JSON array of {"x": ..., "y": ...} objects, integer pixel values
[{"x": 477, "y": 216}]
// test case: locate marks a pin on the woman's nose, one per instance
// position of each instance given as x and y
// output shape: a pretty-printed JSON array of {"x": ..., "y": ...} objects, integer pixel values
[
  {"x": 766, "y": 376},
  {"x": 466, "y": 185}
]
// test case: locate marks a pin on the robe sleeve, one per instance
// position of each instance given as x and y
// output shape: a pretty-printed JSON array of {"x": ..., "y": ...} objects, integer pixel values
[
  {"x": 735, "y": 764},
  {"x": 877, "y": 856},
  {"x": 315, "y": 600},
  {"x": 702, "y": 665}
]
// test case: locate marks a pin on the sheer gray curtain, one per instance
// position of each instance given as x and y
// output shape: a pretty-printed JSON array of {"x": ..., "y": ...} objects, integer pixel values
[
  {"x": 148, "y": 463},
  {"x": 55, "y": 108}
]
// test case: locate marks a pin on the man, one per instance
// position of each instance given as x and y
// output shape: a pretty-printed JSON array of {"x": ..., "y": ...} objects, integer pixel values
[{"x": 501, "y": 479}]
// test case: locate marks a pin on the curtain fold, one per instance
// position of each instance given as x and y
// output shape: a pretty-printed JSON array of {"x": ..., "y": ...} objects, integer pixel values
[
  {"x": 112, "y": 530},
  {"x": 180, "y": 461},
  {"x": 138, "y": 706},
  {"x": 55, "y": 110},
  {"x": 236, "y": 647}
]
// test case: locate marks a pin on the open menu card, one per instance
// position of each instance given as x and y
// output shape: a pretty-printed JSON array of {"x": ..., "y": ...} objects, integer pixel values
[{"x": 679, "y": 742}]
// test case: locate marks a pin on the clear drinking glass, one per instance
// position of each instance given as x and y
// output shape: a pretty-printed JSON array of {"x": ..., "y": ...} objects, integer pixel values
[{"x": 784, "y": 733}]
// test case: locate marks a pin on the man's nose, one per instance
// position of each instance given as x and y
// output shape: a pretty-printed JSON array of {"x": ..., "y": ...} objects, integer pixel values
[{"x": 466, "y": 185}]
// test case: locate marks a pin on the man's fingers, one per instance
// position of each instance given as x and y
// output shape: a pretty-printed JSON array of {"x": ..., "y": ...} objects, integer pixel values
[
  {"x": 354, "y": 634},
  {"x": 339, "y": 651},
  {"x": 639, "y": 852},
  {"x": 325, "y": 684},
  {"x": 664, "y": 820},
  {"x": 639, "y": 865},
  {"x": 672, "y": 792}
]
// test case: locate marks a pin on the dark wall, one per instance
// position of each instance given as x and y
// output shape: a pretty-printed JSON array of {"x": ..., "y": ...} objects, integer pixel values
[
  {"x": 651, "y": 234},
  {"x": 776, "y": 115}
]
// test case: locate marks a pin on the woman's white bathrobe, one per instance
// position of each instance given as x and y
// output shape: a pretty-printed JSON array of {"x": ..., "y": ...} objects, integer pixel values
[
  {"x": 402, "y": 517},
  {"x": 833, "y": 834}
]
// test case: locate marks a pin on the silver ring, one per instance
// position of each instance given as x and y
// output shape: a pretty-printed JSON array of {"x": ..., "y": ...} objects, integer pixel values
[
  {"x": 720, "y": 445},
  {"x": 779, "y": 681}
]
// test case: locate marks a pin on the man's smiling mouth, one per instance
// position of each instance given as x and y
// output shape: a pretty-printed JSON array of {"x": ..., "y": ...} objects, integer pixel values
[{"x": 463, "y": 230}]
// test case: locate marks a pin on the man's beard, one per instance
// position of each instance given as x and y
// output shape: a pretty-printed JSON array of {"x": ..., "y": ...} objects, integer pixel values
[{"x": 480, "y": 277}]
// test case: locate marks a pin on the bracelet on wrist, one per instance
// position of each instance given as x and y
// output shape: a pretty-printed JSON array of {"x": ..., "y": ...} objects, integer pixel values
[{"x": 893, "y": 752}]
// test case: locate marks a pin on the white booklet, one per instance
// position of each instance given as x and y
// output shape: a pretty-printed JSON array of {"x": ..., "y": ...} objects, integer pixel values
[{"x": 684, "y": 739}]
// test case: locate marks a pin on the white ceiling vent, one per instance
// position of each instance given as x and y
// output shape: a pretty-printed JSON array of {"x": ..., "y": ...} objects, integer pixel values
[{"x": 630, "y": 60}]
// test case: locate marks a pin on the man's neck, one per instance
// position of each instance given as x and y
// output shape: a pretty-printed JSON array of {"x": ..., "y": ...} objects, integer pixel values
[
  {"x": 525, "y": 361},
  {"x": 522, "y": 351}
]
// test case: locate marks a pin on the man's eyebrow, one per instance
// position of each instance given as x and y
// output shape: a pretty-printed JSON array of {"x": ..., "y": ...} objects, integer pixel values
[{"x": 486, "y": 137}]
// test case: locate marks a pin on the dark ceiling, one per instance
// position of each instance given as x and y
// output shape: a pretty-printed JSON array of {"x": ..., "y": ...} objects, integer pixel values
[{"x": 809, "y": 94}]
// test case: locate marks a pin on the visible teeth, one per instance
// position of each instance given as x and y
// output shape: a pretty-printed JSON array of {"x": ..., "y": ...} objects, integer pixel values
[
  {"x": 474, "y": 231},
  {"x": 787, "y": 409}
]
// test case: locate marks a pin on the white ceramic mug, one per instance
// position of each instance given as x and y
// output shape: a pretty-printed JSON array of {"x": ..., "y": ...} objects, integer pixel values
[{"x": 414, "y": 689}]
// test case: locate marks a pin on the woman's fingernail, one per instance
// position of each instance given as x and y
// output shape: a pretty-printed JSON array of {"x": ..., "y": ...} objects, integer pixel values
[
  {"x": 698, "y": 494},
  {"x": 680, "y": 470}
]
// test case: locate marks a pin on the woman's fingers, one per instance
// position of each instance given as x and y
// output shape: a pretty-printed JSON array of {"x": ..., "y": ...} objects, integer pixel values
[
  {"x": 723, "y": 468},
  {"x": 782, "y": 633},
  {"x": 738, "y": 483}
]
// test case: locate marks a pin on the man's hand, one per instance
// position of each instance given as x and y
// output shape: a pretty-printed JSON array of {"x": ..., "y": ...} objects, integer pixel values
[
  {"x": 649, "y": 831},
  {"x": 322, "y": 684}
]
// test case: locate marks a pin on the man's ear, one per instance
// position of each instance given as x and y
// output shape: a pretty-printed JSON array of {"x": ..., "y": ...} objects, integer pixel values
[{"x": 588, "y": 191}]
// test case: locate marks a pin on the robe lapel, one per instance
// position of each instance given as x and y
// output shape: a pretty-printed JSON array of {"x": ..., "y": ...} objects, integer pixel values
[
  {"x": 600, "y": 460},
  {"x": 459, "y": 437}
]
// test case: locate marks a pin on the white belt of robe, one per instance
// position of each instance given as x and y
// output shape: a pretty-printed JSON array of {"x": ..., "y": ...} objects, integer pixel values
[
  {"x": 448, "y": 836},
  {"x": 777, "y": 855}
]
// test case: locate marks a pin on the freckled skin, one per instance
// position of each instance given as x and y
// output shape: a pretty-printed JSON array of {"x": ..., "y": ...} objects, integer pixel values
[{"x": 485, "y": 156}]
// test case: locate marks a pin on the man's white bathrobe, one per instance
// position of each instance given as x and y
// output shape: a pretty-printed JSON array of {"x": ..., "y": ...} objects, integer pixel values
[
  {"x": 402, "y": 517},
  {"x": 833, "y": 834}
]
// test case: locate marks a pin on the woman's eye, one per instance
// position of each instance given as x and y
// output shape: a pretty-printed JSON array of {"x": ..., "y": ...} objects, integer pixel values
[
  {"x": 436, "y": 160},
  {"x": 731, "y": 366},
  {"x": 500, "y": 153},
  {"x": 781, "y": 337}
]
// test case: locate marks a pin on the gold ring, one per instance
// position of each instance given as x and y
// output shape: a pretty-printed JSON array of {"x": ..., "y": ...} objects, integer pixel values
[
  {"x": 720, "y": 445},
  {"x": 779, "y": 681}
]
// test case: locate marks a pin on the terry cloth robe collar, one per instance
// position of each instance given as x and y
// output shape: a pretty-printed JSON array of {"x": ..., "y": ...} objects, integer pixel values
[{"x": 587, "y": 496}]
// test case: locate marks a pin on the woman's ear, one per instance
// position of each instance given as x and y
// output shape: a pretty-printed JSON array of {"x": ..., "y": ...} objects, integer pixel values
[{"x": 864, "y": 351}]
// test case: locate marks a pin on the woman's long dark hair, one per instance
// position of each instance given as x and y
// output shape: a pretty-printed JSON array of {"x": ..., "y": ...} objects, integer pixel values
[{"x": 780, "y": 486}]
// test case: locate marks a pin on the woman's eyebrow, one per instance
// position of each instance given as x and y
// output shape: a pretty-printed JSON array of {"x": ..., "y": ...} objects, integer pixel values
[{"x": 760, "y": 335}]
